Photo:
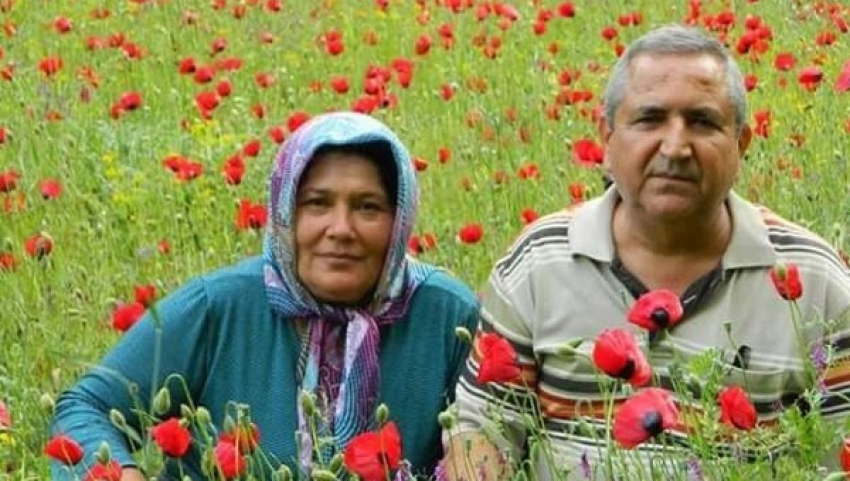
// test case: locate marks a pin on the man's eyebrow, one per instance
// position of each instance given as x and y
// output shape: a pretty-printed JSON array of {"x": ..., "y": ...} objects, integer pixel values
[{"x": 650, "y": 110}]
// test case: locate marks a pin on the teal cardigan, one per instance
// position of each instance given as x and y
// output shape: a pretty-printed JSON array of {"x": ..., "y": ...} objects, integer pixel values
[{"x": 219, "y": 333}]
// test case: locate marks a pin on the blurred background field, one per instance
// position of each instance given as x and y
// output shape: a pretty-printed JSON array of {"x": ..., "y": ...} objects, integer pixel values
[{"x": 136, "y": 135}]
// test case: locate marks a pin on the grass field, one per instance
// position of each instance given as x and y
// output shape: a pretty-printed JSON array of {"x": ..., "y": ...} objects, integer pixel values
[{"x": 498, "y": 104}]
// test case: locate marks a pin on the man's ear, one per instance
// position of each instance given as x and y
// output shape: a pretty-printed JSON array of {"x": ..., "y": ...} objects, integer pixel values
[
  {"x": 744, "y": 139},
  {"x": 604, "y": 130}
]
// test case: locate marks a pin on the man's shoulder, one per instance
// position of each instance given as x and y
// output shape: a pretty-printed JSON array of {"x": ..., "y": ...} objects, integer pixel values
[
  {"x": 794, "y": 242},
  {"x": 539, "y": 241}
]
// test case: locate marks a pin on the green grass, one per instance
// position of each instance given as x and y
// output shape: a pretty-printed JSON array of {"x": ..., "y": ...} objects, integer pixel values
[{"x": 119, "y": 201}]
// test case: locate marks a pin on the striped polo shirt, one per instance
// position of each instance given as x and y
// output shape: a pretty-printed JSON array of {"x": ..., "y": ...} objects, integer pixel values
[{"x": 561, "y": 281}]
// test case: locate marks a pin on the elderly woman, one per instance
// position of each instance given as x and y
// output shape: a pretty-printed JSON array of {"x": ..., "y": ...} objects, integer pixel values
[{"x": 333, "y": 307}]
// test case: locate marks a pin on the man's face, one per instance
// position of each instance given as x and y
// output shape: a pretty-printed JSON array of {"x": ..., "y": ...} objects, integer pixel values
[{"x": 673, "y": 150}]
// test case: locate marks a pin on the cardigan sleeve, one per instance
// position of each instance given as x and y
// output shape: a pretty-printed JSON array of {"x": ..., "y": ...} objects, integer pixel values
[{"x": 169, "y": 343}]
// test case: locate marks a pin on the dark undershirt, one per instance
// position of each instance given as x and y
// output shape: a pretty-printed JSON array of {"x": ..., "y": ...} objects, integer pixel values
[{"x": 695, "y": 295}]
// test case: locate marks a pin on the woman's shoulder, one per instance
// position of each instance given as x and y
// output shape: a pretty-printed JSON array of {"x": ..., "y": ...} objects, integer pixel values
[
  {"x": 236, "y": 280},
  {"x": 442, "y": 285}
]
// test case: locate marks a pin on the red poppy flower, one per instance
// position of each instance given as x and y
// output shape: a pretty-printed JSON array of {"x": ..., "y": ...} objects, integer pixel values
[
  {"x": 588, "y": 153},
  {"x": 297, "y": 119},
  {"x": 62, "y": 24},
  {"x": 646, "y": 414},
  {"x": 447, "y": 91},
  {"x": 187, "y": 66},
  {"x": 444, "y": 154},
  {"x": 207, "y": 101},
  {"x": 126, "y": 316},
  {"x": 50, "y": 189},
  {"x": 423, "y": 44},
  {"x": 229, "y": 460},
  {"x": 842, "y": 83},
  {"x": 609, "y": 33},
  {"x": 844, "y": 455},
  {"x": 750, "y": 82},
  {"x": 617, "y": 354},
  {"x": 340, "y": 84},
  {"x": 566, "y": 10},
  {"x": 145, "y": 294},
  {"x": 7, "y": 264},
  {"x": 529, "y": 215},
  {"x": 736, "y": 409},
  {"x": 258, "y": 111},
  {"x": 105, "y": 472},
  {"x": 5, "y": 418},
  {"x": 658, "y": 309},
  {"x": 250, "y": 215},
  {"x": 64, "y": 449},
  {"x": 784, "y": 61},
  {"x": 130, "y": 101},
  {"x": 4, "y": 134},
  {"x": 762, "y": 128},
  {"x": 277, "y": 133},
  {"x": 264, "y": 80},
  {"x": 39, "y": 245},
  {"x": 252, "y": 148},
  {"x": 786, "y": 280},
  {"x": 577, "y": 192},
  {"x": 9, "y": 180},
  {"x": 218, "y": 45},
  {"x": 245, "y": 438},
  {"x": 420, "y": 164},
  {"x": 373, "y": 455},
  {"x": 49, "y": 66},
  {"x": 810, "y": 77},
  {"x": 203, "y": 75},
  {"x": 471, "y": 233},
  {"x": 528, "y": 171},
  {"x": 224, "y": 88},
  {"x": 172, "y": 438},
  {"x": 498, "y": 359},
  {"x": 164, "y": 246}
]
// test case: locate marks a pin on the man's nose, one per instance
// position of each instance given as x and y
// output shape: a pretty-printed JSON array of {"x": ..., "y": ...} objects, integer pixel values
[{"x": 676, "y": 143}]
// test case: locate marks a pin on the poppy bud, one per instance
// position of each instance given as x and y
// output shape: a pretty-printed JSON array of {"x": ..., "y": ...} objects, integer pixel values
[
  {"x": 103, "y": 454},
  {"x": 463, "y": 334},
  {"x": 117, "y": 419},
  {"x": 446, "y": 419},
  {"x": 382, "y": 414},
  {"x": 308, "y": 403},
  {"x": 202, "y": 415},
  {"x": 336, "y": 463},
  {"x": 47, "y": 403},
  {"x": 162, "y": 401},
  {"x": 323, "y": 475},
  {"x": 186, "y": 412},
  {"x": 282, "y": 474}
]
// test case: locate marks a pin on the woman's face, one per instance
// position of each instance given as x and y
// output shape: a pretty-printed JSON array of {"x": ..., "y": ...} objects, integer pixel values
[{"x": 343, "y": 226}]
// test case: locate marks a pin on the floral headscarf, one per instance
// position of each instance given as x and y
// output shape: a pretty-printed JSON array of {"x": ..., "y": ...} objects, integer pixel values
[{"x": 359, "y": 380}]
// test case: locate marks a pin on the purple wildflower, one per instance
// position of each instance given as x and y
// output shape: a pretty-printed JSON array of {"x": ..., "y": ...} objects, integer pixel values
[
  {"x": 818, "y": 357},
  {"x": 694, "y": 470}
]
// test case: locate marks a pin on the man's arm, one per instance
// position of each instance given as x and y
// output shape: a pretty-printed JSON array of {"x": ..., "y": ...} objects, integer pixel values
[{"x": 490, "y": 433}]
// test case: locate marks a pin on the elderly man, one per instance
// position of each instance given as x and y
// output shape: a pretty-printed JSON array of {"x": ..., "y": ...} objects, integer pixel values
[{"x": 675, "y": 133}]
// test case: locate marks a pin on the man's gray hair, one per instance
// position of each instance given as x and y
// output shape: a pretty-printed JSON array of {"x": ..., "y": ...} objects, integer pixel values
[{"x": 675, "y": 40}]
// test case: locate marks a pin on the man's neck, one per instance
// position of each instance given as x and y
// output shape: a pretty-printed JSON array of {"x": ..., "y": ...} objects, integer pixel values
[{"x": 700, "y": 236}]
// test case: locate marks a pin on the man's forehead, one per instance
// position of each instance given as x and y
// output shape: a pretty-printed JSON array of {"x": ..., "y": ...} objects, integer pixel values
[{"x": 651, "y": 66}]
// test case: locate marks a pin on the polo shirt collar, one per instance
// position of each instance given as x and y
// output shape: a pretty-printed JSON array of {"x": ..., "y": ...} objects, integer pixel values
[{"x": 591, "y": 236}]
